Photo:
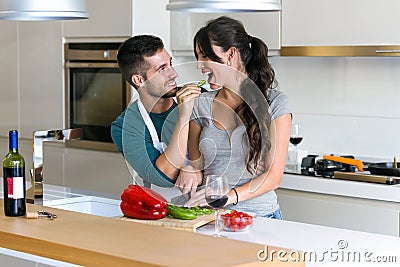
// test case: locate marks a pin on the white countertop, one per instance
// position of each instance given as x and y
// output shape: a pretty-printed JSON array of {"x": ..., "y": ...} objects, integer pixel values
[
  {"x": 341, "y": 187},
  {"x": 328, "y": 246}
]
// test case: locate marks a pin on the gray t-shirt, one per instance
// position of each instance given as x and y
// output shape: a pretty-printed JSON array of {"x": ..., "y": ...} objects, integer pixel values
[{"x": 224, "y": 152}]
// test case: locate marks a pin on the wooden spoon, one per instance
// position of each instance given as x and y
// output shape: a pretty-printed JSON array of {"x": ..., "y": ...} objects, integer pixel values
[{"x": 394, "y": 162}]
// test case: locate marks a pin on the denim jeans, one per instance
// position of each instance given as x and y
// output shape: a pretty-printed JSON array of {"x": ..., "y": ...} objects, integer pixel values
[{"x": 274, "y": 215}]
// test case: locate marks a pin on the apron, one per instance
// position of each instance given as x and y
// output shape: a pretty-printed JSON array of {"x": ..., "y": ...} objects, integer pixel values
[{"x": 160, "y": 146}]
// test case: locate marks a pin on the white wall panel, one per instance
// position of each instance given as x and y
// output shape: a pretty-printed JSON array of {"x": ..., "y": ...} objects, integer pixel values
[{"x": 346, "y": 104}]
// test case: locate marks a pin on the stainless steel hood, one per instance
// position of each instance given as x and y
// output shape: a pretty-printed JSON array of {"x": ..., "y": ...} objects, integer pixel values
[
  {"x": 221, "y": 6},
  {"x": 42, "y": 9}
]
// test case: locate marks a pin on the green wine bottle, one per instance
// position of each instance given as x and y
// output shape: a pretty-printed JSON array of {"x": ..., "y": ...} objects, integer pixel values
[{"x": 14, "y": 179}]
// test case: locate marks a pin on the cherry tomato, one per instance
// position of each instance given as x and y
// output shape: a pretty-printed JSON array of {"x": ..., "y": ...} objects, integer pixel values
[
  {"x": 227, "y": 221},
  {"x": 234, "y": 227},
  {"x": 242, "y": 225},
  {"x": 247, "y": 220},
  {"x": 235, "y": 220}
]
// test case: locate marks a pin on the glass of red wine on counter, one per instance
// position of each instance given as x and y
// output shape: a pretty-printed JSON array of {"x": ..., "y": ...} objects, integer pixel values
[
  {"x": 296, "y": 135},
  {"x": 216, "y": 190}
]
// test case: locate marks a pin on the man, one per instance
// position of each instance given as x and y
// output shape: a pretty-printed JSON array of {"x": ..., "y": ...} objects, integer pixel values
[{"x": 152, "y": 132}]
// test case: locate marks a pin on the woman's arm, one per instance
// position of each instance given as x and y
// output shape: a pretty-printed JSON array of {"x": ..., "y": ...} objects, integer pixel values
[
  {"x": 271, "y": 178},
  {"x": 276, "y": 159}
]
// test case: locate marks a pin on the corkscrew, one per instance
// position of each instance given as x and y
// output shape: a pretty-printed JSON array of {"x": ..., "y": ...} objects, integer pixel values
[{"x": 40, "y": 213}]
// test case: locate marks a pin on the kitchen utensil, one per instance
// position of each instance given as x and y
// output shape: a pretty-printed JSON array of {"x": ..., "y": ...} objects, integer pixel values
[
  {"x": 181, "y": 199},
  {"x": 362, "y": 177},
  {"x": 382, "y": 168}
]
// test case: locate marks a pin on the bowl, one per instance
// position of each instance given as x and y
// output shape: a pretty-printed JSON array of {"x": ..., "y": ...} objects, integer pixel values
[{"x": 236, "y": 221}]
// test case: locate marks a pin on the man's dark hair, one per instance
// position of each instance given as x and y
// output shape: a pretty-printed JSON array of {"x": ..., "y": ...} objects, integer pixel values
[{"x": 131, "y": 55}]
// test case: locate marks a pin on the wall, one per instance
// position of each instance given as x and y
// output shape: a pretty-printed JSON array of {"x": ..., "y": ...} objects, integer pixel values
[{"x": 347, "y": 105}]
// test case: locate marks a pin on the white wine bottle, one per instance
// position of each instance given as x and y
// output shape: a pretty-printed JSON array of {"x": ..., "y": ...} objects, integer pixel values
[{"x": 14, "y": 179}]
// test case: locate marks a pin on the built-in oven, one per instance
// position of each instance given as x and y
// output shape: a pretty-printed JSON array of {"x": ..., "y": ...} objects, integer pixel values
[{"x": 96, "y": 92}]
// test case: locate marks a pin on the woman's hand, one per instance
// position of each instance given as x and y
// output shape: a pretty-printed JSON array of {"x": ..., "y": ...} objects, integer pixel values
[
  {"x": 197, "y": 199},
  {"x": 188, "y": 179}
]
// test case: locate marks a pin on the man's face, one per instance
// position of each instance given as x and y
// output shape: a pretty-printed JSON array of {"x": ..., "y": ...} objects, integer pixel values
[{"x": 161, "y": 75}]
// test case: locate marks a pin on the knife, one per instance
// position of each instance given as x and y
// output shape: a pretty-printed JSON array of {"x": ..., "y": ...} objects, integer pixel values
[{"x": 182, "y": 199}]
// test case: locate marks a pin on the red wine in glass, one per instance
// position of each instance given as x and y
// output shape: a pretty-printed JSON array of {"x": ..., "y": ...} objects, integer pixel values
[
  {"x": 216, "y": 194},
  {"x": 295, "y": 140},
  {"x": 216, "y": 201},
  {"x": 296, "y": 135}
]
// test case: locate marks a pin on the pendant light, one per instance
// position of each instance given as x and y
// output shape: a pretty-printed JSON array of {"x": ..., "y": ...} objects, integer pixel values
[
  {"x": 42, "y": 9},
  {"x": 221, "y": 6}
]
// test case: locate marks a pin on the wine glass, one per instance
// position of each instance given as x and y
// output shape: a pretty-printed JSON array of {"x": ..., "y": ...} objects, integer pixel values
[
  {"x": 296, "y": 135},
  {"x": 216, "y": 190}
]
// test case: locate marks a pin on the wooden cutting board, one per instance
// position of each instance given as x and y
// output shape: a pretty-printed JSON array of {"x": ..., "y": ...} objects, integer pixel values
[{"x": 169, "y": 222}]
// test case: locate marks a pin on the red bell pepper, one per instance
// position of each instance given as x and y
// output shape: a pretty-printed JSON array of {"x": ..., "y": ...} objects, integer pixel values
[{"x": 143, "y": 203}]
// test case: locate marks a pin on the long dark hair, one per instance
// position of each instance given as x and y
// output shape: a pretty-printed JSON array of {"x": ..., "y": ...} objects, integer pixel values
[{"x": 226, "y": 32}]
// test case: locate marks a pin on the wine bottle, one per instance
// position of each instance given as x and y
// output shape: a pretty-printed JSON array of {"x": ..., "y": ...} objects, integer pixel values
[{"x": 14, "y": 179}]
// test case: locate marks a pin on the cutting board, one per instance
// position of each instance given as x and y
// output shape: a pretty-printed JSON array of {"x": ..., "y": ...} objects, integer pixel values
[{"x": 169, "y": 222}]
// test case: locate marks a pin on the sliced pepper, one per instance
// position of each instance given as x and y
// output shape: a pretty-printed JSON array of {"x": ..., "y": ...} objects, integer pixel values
[{"x": 181, "y": 213}]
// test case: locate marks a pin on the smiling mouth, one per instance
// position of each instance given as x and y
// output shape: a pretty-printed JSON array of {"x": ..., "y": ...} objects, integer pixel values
[
  {"x": 209, "y": 74},
  {"x": 172, "y": 83}
]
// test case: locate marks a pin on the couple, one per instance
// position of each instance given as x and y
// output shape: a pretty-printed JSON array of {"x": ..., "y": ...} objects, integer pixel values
[{"x": 239, "y": 127}]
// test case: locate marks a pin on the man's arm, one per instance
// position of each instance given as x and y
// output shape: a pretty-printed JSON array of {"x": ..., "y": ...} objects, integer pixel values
[
  {"x": 129, "y": 135},
  {"x": 174, "y": 156}
]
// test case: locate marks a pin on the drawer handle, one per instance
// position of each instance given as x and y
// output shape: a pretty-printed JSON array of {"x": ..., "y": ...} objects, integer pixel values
[{"x": 387, "y": 51}]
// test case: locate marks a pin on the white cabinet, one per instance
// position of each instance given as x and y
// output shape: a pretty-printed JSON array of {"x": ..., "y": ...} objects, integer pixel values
[
  {"x": 41, "y": 76},
  {"x": 373, "y": 216},
  {"x": 340, "y": 22},
  {"x": 88, "y": 170},
  {"x": 106, "y": 19},
  {"x": 8, "y": 77},
  {"x": 184, "y": 26},
  {"x": 32, "y": 76}
]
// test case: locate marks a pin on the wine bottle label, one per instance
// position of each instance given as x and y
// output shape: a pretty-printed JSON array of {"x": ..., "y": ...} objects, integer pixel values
[{"x": 15, "y": 187}]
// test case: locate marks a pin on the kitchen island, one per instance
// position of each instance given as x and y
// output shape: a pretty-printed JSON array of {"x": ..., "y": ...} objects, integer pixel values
[
  {"x": 89, "y": 240},
  {"x": 83, "y": 239}
]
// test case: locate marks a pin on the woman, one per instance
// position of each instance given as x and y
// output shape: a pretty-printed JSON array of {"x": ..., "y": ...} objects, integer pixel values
[{"x": 244, "y": 125}]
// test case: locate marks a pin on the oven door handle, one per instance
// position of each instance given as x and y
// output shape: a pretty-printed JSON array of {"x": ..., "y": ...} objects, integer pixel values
[{"x": 71, "y": 65}]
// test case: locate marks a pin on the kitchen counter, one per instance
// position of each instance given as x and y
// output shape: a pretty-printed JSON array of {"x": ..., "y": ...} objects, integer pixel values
[
  {"x": 338, "y": 187},
  {"x": 90, "y": 240},
  {"x": 85, "y": 239},
  {"x": 325, "y": 245}
]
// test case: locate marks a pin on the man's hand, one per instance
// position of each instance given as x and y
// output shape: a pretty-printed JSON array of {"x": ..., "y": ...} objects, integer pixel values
[
  {"x": 188, "y": 179},
  {"x": 185, "y": 98}
]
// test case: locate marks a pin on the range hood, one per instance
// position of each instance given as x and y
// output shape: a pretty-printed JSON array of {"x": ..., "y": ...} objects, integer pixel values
[
  {"x": 43, "y": 9},
  {"x": 221, "y": 6}
]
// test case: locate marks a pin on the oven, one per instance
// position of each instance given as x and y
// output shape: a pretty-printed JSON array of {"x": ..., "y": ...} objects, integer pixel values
[{"x": 96, "y": 93}]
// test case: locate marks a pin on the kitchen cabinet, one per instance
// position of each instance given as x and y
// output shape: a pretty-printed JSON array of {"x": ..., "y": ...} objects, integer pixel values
[
  {"x": 41, "y": 76},
  {"x": 106, "y": 19},
  {"x": 373, "y": 216},
  {"x": 9, "y": 102},
  {"x": 90, "y": 170},
  {"x": 31, "y": 91},
  {"x": 340, "y": 22},
  {"x": 184, "y": 26}
]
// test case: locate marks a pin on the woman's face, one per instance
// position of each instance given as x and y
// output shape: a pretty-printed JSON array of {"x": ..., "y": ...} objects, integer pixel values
[{"x": 218, "y": 73}]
